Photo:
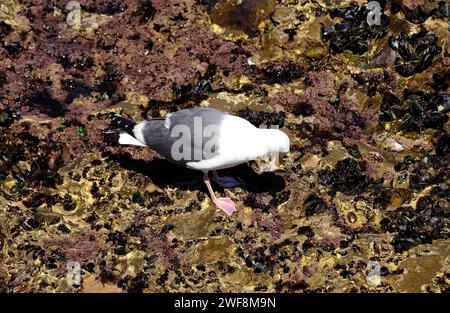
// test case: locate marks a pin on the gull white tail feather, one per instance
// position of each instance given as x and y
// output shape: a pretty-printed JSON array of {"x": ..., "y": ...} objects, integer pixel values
[{"x": 127, "y": 139}]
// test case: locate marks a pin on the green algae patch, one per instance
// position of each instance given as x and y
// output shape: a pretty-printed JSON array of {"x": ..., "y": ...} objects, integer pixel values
[
  {"x": 131, "y": 106},
  {"x": 10, "y": 15},
  {"x": 242, "y": 17},
  {"x": 220, "y": 248},
  {"x": 194, "y": 225},
  {"x": 246, "y": 280},
  {"x": 87, "y": 23},
  {"x": 422, "y": 267},
  {"x": 228, "y": 102}
]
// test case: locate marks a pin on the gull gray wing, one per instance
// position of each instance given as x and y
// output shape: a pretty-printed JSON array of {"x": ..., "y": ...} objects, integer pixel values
[{"x": 185, "y": 136}]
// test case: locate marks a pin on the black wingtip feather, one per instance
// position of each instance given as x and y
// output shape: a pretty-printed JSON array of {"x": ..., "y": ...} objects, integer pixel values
[{"x": 123, "y": 124}]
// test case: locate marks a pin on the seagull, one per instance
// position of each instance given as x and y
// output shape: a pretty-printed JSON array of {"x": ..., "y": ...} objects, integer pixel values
[{"x": 206, "y": 140}]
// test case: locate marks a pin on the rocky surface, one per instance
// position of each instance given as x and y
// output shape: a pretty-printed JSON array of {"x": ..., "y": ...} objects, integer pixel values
[{"x": 366, "y": 183}]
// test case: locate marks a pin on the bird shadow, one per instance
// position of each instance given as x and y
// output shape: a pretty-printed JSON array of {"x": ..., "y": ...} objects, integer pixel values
[{"x": 166, "y": 174}]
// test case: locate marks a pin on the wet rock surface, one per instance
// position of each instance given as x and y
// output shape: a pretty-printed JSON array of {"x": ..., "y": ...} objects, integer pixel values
[{"x": 367, "y": 178}]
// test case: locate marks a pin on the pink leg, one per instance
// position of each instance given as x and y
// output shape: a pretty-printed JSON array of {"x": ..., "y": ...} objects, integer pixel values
[{"x": 225, "y": 204}]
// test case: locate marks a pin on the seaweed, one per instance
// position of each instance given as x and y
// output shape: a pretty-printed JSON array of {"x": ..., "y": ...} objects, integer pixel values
[
  {"x": 416, "y": 51},
  {"x": 314, "y": 205},
  {"x": 8, "y": 116},
  {"x": 428, "y": 222},
  {"x": 268, "y": 119},
  {"x": 243, "y": 15},
  {"x": 146, "y": 11},
  {"x": 418, "y": 110},
  {"x": 198, "y": 90},
  {"x": 443, "y": 145},
  {"x": 353, "y": 33},
  {"x": 281, "y": 72},
  {"x": 346, "y": 177}
]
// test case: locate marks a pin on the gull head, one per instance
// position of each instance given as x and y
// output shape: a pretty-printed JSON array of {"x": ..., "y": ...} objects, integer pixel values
[{"x": 277, "y": 141}]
